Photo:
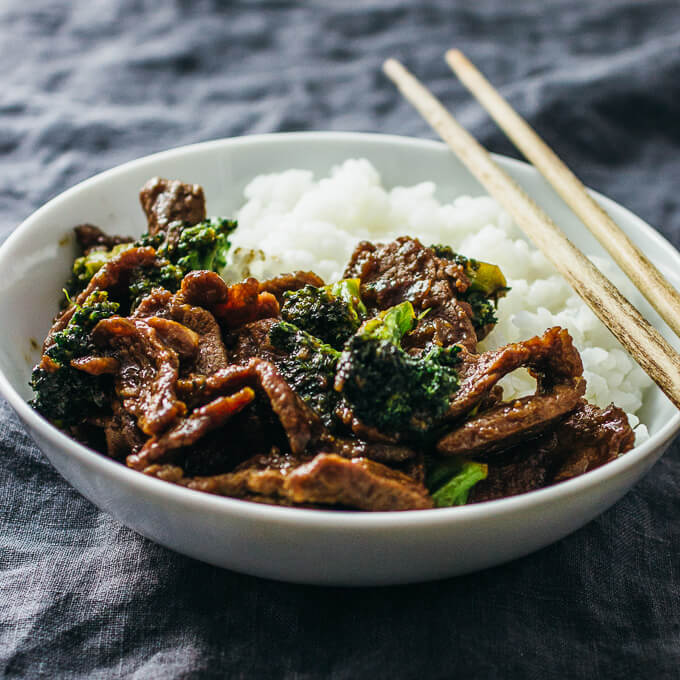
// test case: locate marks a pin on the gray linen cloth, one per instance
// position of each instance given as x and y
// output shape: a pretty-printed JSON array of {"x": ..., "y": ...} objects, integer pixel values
[{"x": 87, "y": 85}]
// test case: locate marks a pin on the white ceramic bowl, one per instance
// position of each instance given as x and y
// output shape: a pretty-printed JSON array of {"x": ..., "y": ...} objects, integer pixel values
[{"x": 309, "y": 546}]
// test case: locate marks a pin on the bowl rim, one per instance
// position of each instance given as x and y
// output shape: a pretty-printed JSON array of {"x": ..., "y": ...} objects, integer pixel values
[{"x": 320, "y": 518}]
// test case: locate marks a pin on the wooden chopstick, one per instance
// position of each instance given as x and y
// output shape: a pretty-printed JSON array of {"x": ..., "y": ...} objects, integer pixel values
[
  {"x": 646, "y": 277},
  {"x": 640, "y": 338}
]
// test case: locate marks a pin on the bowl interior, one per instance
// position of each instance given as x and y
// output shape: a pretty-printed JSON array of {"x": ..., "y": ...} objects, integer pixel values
[{"x": 35, "y": 260}]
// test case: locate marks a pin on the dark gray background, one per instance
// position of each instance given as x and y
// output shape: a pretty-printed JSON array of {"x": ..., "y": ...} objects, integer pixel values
[{"x": 86, "y": 85}]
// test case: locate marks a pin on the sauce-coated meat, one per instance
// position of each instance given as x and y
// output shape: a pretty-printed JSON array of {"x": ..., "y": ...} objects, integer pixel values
[
  {"x": 148, "y": 372},
  {"x": 405, "y": 270},
  {"x": 586, "y": 439},
  {"x": 355, "y": 483},
  {"x": 233, "y": 305},
  {"x": 113, "y": 277},
  {"x": 189, "y": 430},
  {"x": 210, "y": 355},
  {"x": 552, "y": 358},
  {"x": 89, "y": 238},
  {"x": 165, "y": 201},
  {"x": 326, "y": 479},
  {"x": 501, "y": 426},
  {"x": 290, "y": 282},
  {"x": 211, "y": 389}
]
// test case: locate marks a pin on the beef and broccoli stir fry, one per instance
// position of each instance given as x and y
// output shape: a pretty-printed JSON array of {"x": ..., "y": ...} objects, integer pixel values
[{"x": 366, "y": 393}]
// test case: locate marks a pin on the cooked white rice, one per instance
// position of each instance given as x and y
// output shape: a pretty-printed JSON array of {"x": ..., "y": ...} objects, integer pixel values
[{"x": 290, "y": 221}]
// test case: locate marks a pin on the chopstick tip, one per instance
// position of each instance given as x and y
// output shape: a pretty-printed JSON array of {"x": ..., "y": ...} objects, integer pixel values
[
  {"x": 390, "y": 66},
  {"x": 455, "y": 57}
]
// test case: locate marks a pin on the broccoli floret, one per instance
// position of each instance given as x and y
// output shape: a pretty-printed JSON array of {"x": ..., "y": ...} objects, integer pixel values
[
  {"x": 202, "y": 246},
  {"x": 487, "y": 285},
  {"x": 483, "y": 310},
  {"x": 62, "y": 393},
  {"x": 392, "y": 324},
  {"x": 383, "y": 385},
  {"x": 450, "y": 480},
  {"x": 180, "y": 250},
  {"x": 390, "y": 389},
  {"x": 332, "y": 313},
  {"x": 145, "y": 279},
  {"x": 85, "y": 267},
  {"x": 393, "y": 391},
  {"x": 309, "y": 368},
  {"x": 156, "y": 240}
]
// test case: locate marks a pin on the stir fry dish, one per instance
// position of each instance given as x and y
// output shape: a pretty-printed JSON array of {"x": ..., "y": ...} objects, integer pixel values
[{"x": 366, "y": 393}]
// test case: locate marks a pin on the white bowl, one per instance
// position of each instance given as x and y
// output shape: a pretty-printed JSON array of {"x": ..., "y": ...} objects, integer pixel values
[{"x": 307, "y": 546}]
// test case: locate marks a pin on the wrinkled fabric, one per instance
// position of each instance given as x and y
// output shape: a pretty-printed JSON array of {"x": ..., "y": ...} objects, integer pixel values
[{"x": 88, "y": 85}]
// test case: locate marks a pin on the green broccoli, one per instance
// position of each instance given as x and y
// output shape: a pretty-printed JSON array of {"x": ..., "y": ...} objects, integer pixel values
[
  {"x": 202, "y": 246},
  {"x": 309, "y": 368},
  {"x": 62, "y": 393},
  {"x": 332, "y": 313},
  {"x": 180, "y": 249},
  {"x": 145, "y": 279},
  {"x": 392, "y": 324},
  {"x": 85, "y": 267},
  {"x": 487, "y": 285},
  {"x": 390, "y": 389},
  {"x": 162, "y": 275},
  {"x": 450, "y": 480}
]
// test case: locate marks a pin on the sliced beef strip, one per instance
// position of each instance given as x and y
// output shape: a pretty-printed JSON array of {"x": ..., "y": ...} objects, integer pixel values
[
  {"x": 210, "y": 355},
  {"x": 252, "y": 340},
  {"x": 355, "y": 483},
  {"x": 383, "y": 452},
  {"x": 89, "y": 238},
  {"x": 262, "y": 475},
  {"x": 113, "y": 277},
  {"x": 182, "y": 340},
  {"x": 123, "y": 437},
  {"x": 505, "y": 424},
  {"x": 204, "y": 289},
  {"x": 246, "y": 303},
  {"x": 158, "y": 302},
  {"x": 326, "y": 479},
  {"x": 165, "y": 201},
  {"x": 586, "y": 439},
  {"x": 148, "y": 372},
  {"x": 233, "y": 305},
  {"x": 202, "y": 388},
  {"x": 447, "y": 324},
  {"x": 522, "y": 472},
  {"x": 188, "y": 431},
  {"x": 552, "y": 358},
  {"x": 591, "y": 437},
  {"x": 96, "y": 365},
  {"x": 228, "y": 484},
  {"x": 290, "y": 282},
  {"x": 406, "y": 270},
  {"x": 302, "y": 426}
]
